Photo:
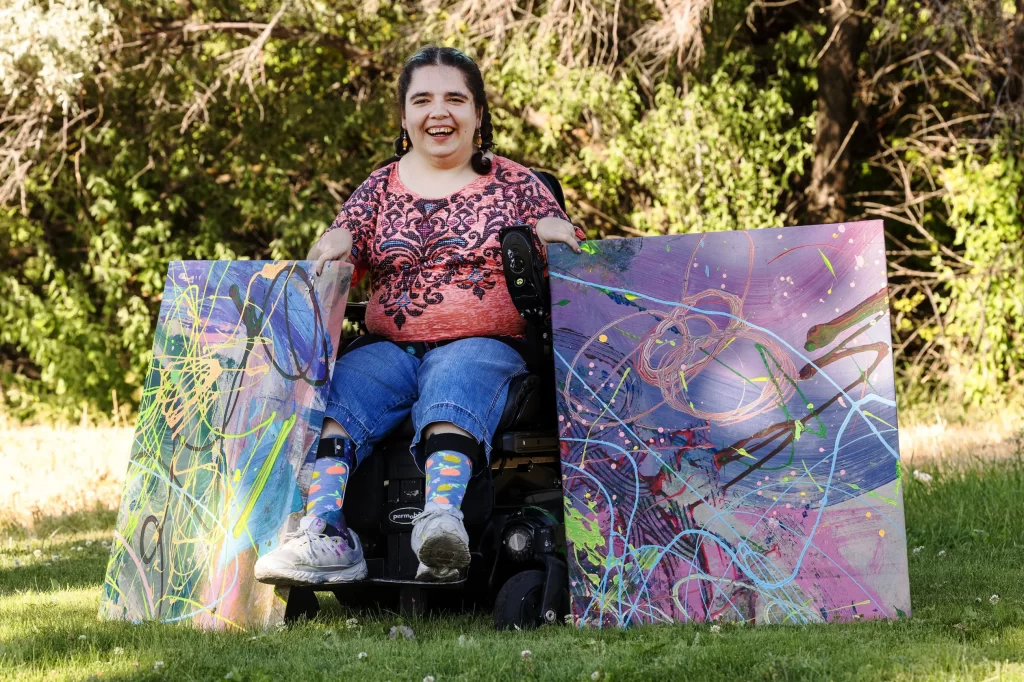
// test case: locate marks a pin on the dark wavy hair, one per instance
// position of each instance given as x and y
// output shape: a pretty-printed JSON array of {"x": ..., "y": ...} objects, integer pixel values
[{"x": 449, "y": 56}]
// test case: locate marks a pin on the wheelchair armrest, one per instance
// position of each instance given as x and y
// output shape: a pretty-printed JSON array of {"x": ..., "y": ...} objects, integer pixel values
[{"x": 523, "y": 402}]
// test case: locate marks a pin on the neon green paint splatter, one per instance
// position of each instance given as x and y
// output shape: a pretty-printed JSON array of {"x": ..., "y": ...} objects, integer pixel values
[
  {"x": 873, "y": 416},
  {"x": 827, "y": 263},
  {"x": 263, "y": 476}
]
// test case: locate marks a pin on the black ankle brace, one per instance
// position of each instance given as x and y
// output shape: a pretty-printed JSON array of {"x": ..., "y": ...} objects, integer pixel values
[{"x": 338, "y": 447}]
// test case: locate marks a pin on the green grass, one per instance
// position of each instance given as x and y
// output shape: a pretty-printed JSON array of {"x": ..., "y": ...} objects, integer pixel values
[{"x": 969, "y": 524}]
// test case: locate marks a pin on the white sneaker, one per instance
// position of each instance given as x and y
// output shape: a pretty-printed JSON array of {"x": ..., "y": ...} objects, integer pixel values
[
  {"x": 439, "y": 539},
  {"x": 309, "y": 557}
]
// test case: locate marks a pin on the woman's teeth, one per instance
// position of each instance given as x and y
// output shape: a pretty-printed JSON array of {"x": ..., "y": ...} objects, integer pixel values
[{"x": 440, "y": 131}]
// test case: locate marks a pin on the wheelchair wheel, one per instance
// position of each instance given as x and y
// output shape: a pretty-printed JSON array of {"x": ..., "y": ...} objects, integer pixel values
[{"x": 519, "y": 602}]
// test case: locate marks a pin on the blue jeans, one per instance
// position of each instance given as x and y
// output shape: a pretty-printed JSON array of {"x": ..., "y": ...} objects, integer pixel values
[{"x": 375, "y": 386}]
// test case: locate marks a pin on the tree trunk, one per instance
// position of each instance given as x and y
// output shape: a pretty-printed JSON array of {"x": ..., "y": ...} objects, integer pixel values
[
  {"x": 1017, "y": 56},
  {"x": 837, "y": 83}
]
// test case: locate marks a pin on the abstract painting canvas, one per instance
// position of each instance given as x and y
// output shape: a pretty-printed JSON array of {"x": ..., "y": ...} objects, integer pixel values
[
  {"x": 727, "y": 418},
  {"x": 228, "y": 424}
]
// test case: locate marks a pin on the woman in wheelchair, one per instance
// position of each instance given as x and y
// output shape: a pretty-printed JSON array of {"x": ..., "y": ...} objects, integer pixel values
[{"x": 444, "y": 335}]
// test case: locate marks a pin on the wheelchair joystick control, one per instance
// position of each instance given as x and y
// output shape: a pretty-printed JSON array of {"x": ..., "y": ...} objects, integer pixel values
[
  {"x": 524, "y": 273},
  {"x": 515, "y": 263}
]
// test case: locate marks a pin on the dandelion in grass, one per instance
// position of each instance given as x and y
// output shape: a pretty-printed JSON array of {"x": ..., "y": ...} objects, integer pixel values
[
  {"x": 352, "y": 623},
  {"x": 118, "y": 651},
  {"x": 917, "y": 550},
  {"x": 37, "y": 553},
  {"x": 942, "y": 552},
  {"x": 428, "y": 678},
  {"x": 715, "y": 629},
  {"x": 525, "y": 654},
  {"x": 403, "y": 630},
  {"x": 994, "y": 599},
  {"x": 922, "y": 476},
  {"x": 363, "y": 656},
  {"x": 158, "y": 665},
  {"x": 82, "y": 637}
]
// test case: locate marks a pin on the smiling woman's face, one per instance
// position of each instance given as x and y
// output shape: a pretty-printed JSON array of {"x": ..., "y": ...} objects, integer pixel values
[{"x": 440, "y": 116}]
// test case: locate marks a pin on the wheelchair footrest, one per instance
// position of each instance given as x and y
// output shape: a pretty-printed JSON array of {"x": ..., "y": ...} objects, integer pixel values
[
  {"x": 417, "y": 583},
  {"x": 528, "y": 442}
]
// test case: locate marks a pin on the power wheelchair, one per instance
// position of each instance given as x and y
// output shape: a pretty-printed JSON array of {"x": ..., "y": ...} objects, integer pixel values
[{"x": 513, "y": 510}]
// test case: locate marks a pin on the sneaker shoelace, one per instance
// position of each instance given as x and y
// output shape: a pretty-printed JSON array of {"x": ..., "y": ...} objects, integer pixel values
[
  {"x": 300, "y": 532},
  {"x": 432, "y": 513},
  {"x": 424, "y": 515},
  {"x": 311, "y": 548},
  {"x": 319, "y": 544}
]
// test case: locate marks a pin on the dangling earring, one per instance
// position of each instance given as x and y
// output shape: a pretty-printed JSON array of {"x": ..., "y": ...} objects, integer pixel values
[
  {"x": 479, "y": 138},
  {"x": 405, "y": 140}
]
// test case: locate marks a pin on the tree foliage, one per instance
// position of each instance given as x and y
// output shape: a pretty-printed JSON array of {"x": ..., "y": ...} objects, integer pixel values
[{"x": 138, "y": 133}]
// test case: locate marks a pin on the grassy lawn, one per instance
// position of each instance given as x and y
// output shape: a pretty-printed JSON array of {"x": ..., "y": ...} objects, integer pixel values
[{"x": 968, "y": 524}]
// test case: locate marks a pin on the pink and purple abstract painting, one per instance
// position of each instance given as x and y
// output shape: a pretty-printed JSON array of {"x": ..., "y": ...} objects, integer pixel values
[
  {"x": 727, "y": 418},
  {"x": 228, "y": 424}
]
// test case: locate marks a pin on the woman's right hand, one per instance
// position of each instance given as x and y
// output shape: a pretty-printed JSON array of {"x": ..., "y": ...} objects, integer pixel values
[{"x": 335, "y": 244}]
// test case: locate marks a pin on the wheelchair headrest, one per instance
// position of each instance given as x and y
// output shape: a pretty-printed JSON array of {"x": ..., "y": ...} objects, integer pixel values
[{"x": 551, "y": 182}]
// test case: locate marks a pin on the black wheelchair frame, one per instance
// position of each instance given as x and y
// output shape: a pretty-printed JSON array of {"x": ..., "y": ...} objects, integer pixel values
[{"x": 513, "y": 510}]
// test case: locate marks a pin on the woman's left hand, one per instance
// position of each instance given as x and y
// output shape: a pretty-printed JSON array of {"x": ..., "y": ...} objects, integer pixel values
[{"x": 551, "y": 229}]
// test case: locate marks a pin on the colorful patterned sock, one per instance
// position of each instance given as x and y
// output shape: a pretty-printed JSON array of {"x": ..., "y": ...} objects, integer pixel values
[
  {"x": 335, "y": 460},
  {"x": 448, "y": 472}
]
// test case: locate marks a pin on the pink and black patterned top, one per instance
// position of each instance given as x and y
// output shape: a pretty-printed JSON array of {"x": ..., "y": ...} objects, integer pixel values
[{"x": 435, "y": 264}]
